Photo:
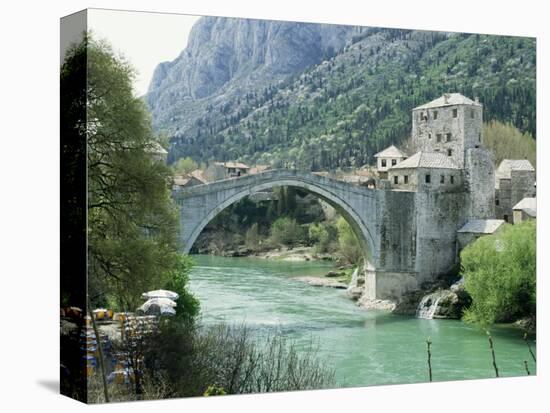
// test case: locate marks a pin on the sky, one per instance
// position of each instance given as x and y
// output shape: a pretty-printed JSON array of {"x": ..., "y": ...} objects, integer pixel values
[{"x": 145, "y": 39}]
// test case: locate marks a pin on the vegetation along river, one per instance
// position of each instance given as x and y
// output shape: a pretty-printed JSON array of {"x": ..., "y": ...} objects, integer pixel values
[{"x": 364, "y": 347}]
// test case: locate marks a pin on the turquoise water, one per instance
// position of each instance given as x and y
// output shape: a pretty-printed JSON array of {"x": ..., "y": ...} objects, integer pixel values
[{"x": 364, "y": 347}]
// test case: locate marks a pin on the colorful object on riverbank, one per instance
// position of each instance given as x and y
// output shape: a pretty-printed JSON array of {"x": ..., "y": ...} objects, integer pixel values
[
  {"x": 102, "y": 314},
  {"x": 158, "y": 306},
  {"x": 160, "y": 294}
]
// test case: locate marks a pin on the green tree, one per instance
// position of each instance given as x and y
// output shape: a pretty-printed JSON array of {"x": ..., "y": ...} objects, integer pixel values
[
  {"x": 350, "y": 248},
  {"x": 500, "y": 275},
  {"x": 177, "y": 279},
  {"x": 322, "y": 235},
  {"x": 507, "y": 142},
  {"x": 185, "y": 165},
  {"x": 132, "y": 221},
  {"x": 286, "y": 231}
]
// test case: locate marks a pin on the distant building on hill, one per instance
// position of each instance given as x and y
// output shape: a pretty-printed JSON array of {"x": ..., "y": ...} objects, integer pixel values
[
  {"x": 225, "y": 170},
  {"x": 185, "y": 181},
  {"x": 256, "y": 169},
  {"x": 199, "y": 175}
]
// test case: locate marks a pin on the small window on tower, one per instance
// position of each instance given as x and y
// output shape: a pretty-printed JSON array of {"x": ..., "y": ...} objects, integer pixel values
[
  {"x": 452, "y": 179},
  {"x": 448, "y": 137},
  {"x": 406, "y": 179},
  {"x": 455, "y": 113},
  {"x": 383, "y": 162},
  {"x": 428, "y": 178},
  {"x": 393, "y": 162},
  {"x": 438, "y": 137},
  {"x": 479, "y": 137},
  {"x": 472, "y": 114},
  {"x": 442, "y": 179},
  {"x": 429, "y": 136},
  {"x": 497, "y": 202},
  {"x": 396, "y": 179},
  {"x": 449, "y": 152},
  {"x": 435, "y": 114}
]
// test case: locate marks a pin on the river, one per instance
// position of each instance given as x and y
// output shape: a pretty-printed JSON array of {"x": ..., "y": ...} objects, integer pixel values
[{"x": 364, "y": 347}]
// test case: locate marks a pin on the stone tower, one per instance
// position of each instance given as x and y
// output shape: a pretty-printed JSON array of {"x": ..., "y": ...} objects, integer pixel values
[{"x": 452, "y": 125}]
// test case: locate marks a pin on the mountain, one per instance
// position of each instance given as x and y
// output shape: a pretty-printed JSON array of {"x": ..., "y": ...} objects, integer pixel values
[
  {"x": 228, "y": 57},
  {"x": 331, "y": 106}
]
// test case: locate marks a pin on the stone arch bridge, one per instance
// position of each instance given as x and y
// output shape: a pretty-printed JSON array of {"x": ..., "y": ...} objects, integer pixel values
[{"x": 404, "y": 239}]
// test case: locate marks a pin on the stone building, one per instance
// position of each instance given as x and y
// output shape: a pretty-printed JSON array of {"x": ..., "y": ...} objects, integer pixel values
[
  {"x": 225, "y": 170},
  {"x": 425, "y": 171},
  {"x": 525, "y": 209},
  {"x": 475, "y": 228},
  {"x": 514, "y": 180},
  {"x": 450, "y": 124},
  {"x": 389, "y": 157},
  {"x": 185, "y": 181}
]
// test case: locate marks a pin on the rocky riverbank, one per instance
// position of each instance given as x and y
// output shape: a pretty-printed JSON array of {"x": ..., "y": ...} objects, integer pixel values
[
  {"x": 301, "y": 253},
  {"x": 294, "y": 254},
  {"x": 322, "y": 282}
]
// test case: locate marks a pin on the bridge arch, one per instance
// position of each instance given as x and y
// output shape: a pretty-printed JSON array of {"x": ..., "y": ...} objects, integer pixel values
[{"x": 217, "y": 196}]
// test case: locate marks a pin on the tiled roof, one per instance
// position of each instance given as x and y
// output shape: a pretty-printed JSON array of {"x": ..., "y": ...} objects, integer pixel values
[
  {"x": 391, "y": 152},
  {"x": 527, "y": 205},
  {"x": 448, "y": 99},
  {"x": 181, "y": 180},
  {"x": 198, "y": 174},
  {"x": 482, "y": 226},
  {"x": 426, "y": 160},
  {"x": 230, "y": 164},
  {"x": 259, "y": 168},
  {"x": 508, "y": 165}
]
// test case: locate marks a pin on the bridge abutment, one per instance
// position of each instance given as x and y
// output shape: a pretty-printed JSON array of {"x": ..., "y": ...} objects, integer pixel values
[{"x": 389, "y": 285}]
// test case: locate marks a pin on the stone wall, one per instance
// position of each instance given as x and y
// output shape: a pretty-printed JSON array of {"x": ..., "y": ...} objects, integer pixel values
[
  {"x": 439, "y": 216},
  {"x": 417, "y": 179},
  {"x": 522, "y": 185},
  {"x": 480, "y": 176},
  {"x": 510, "y": 191}
]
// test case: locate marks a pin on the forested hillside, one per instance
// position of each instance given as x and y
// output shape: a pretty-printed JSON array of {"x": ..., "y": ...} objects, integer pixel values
[{"x": 343, "y": 110}]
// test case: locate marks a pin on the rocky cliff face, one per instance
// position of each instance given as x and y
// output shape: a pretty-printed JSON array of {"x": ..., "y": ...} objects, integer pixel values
[{"x": 228, "y": 57}]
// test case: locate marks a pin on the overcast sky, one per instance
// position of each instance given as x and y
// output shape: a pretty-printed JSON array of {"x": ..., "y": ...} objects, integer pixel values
[{"x": 145, "y": 39}]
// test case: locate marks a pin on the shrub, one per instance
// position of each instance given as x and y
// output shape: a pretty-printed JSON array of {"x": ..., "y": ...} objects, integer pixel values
[
  {"x": 500, "y": 275},
  {"x": 349, "y": 245},
  {"x": 322, "y": 235},
  {"x": 286, "y": 231},
  {"x": 183, "y": 360}
]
